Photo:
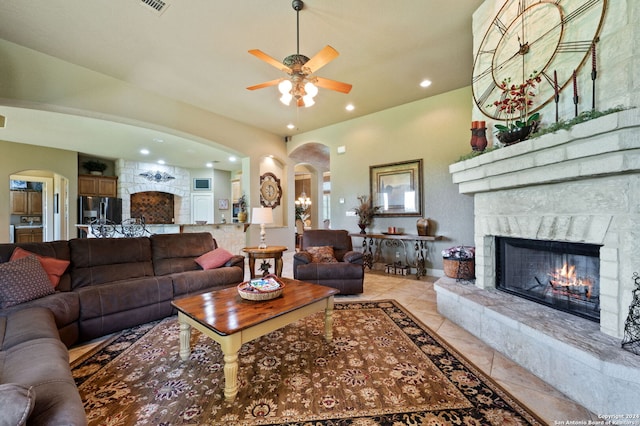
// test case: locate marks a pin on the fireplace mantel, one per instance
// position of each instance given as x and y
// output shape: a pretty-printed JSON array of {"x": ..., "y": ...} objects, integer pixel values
[
  {"x": 581, "y": 186},
  {"x": 608, "y": 145}
]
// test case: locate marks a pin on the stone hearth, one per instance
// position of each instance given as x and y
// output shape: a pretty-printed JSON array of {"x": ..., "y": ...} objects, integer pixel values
[{"x": 577, "y": 186}]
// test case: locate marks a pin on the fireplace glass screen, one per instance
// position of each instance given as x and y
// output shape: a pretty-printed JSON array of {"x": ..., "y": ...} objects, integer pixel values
[{"x": 565, "y": 276}]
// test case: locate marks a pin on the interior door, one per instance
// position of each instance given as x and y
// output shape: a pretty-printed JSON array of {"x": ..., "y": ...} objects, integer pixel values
[{"x": 202, "y": 207}]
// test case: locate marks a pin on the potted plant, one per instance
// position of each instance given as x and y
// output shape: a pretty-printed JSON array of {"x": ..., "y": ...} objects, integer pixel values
[
  {"x": 365, "y": 212},
  {"x": 242, "y": 205},
  {"x": 514, "y": 103},
  {"x": 94, "y": 167}
]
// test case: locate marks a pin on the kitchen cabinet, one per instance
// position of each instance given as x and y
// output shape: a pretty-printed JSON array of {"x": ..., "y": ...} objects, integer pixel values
[
  {"x": 98, "y": 186},
  {"x": 236, "y": 190},
  {"x": 26, "y": 202},
  {"x": 34, "y": 203},
  {"x": 18, "y": 201},
  {"x": 28, "y": 235}
]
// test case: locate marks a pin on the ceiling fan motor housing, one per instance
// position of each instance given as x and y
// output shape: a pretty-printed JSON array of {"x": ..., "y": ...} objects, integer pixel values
[{"x": 295, "y": 61}]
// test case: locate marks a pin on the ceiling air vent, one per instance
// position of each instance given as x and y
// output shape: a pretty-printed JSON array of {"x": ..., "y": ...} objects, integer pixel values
[{"x": 158, "y": 6}]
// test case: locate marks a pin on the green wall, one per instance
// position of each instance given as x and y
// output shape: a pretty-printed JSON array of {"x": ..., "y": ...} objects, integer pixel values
[
  {"x": 19, "y": 157},
  {"x": 436, "y": 130}
]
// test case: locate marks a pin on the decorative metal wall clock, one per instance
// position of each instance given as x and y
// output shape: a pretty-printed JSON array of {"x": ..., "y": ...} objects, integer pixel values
[
  {"x": 550, "y": 38},
  {"x": 270, "y": 190}
]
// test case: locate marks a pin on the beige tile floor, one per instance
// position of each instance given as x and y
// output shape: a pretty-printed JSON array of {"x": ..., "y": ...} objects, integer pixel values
[{"x": 419, "y": 297}]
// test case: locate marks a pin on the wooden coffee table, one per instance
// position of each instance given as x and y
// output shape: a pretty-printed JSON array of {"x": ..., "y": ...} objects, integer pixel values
[{"x": 231, "y": 321}]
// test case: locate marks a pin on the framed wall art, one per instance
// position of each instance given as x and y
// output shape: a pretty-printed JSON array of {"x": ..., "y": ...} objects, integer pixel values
[
  {"x": 223, "y": 204},
  {"x": 396, "y": 188}
]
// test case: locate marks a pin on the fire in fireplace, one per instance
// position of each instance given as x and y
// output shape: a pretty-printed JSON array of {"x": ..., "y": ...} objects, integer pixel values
[{"x": 563, "y": 275}]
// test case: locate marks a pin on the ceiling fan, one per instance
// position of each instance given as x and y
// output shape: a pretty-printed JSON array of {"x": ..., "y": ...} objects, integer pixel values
[{"x": 302, "y": 85}]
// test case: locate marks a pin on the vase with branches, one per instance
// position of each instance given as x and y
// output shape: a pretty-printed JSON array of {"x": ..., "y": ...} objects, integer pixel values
[{"x": 365, "y": 211}]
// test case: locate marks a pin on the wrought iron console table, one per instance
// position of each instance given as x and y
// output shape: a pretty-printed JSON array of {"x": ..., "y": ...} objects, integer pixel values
[{"x": 372, "y": 248}]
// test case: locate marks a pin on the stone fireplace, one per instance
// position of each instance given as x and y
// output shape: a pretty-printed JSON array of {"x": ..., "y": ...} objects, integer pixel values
[{"x": 577, "y": 187}]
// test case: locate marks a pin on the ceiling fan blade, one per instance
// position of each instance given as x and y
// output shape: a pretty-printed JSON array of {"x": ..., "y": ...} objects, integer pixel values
[
  {"x": 265, "y": 84},
  {"x": 322, "y": 58},
  {"x": 338, "y": 86},
  {"x": 271, "y": 61}
]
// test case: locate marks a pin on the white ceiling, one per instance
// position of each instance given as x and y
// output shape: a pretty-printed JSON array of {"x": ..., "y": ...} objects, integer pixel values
[{"x": 196, "y": 52}]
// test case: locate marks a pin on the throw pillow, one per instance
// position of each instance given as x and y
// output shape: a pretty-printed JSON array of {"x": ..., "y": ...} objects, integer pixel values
[
  {"x": 16, "y": 403},
  {"x": 22, "y": 280},
  {"x": 53, "y": 267},
  {"x": 214, "y": 258},
  {"x": 322, "y": 254}
]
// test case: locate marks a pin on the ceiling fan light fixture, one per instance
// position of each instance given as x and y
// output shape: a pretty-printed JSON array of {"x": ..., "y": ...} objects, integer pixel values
[
  {"x": 286, "y": 98},
  {"x": 310, "y": 89},
  {"x": 302, "y": 85},
  {"x": 285, "y": 87},
  {"x": 308, "y": 101}
]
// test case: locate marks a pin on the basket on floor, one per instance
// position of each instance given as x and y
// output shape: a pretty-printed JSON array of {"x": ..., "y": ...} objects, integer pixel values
[{"x": 464, "y": 269}]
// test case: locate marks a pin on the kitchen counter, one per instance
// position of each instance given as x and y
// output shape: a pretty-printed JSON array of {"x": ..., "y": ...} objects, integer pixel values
[
  {"x": 28, "y": 233},
  {"x": 230, "y": 236}
]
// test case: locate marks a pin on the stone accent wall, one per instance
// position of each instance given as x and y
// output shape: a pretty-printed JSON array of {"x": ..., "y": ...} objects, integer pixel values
[
  {"x": 618, "y": 81},
  {"x": 576, "y": 186},
  {"x": 130, "y": 182}
]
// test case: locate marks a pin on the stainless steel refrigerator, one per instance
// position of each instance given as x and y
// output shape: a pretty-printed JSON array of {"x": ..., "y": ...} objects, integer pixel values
[{"x": 102, "y": 208}]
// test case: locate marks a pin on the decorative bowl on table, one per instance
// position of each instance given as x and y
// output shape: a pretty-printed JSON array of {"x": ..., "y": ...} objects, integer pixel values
[{"x": 267, "y": 288}]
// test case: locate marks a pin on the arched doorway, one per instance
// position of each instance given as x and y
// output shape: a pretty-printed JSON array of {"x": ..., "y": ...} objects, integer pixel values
[
  {"x": 313, "y": 178},
  {"x": 39, "y": 206}
]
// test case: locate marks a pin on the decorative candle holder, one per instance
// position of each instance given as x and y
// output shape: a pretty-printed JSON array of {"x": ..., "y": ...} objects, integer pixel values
[
  {"x": 481, "y": 139},
  {"x": 474, "y": 136}
]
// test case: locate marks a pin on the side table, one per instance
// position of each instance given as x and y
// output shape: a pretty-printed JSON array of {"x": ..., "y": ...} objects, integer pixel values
[
  {"x": 372, "y": 249},
  {"x": 271, "y": 252}
]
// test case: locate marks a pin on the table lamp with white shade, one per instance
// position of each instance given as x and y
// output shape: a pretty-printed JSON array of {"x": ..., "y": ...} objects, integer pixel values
[{"x": 262, "y": 216}]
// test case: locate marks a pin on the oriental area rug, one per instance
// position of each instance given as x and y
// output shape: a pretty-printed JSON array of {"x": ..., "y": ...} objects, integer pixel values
[{"x": 383, "y": 367}]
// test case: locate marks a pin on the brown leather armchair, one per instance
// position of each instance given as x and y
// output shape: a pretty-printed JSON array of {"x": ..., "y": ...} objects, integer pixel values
[{"x": 346, "y": 273}]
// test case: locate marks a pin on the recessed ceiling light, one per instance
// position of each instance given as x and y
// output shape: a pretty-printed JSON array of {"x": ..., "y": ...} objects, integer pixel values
[
  {"x": 209, "y": 164},
  {"x": 291, "y": 126},
  {"x": 350, "y": 107},
  {"x": 232, "y": 159},
  {"x": 144, "y": 151},
  {"x": 160, "y": 161},
  {"x": 425, "y": 83}
]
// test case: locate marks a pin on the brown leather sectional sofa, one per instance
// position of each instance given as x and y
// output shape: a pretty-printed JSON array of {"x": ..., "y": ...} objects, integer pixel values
[{"x": 110, "y": 285}]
